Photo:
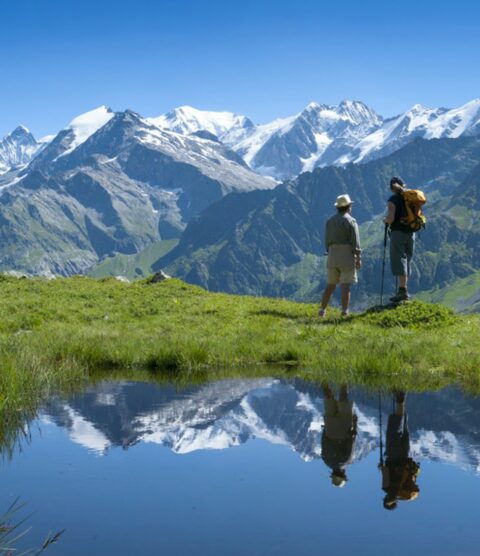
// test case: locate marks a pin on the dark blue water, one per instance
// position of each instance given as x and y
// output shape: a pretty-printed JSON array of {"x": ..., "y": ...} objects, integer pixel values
[{"x": 236, "y": 467}]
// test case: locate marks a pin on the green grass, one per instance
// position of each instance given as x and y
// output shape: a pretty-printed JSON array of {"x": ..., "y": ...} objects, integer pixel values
[
  {"x": 55, "y": 334},
  {"x": 462, "y": 295},
  {"x": 134, "y": 266}
]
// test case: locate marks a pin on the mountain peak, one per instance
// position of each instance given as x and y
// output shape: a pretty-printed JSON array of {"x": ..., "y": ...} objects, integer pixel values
[
  {"x": 358, "y": 112},
  {"x": 17, "y": 148},
  {"x": 418, "y": 109},
  {"x": 20, "y": 133},
  {"x": 87, "y": 124},
  {"x": 312, "y": 106},
  {"x": 187, "y": 119},
  {"x": 91, "y": 117},
  {"x": 20, "y": 130}
]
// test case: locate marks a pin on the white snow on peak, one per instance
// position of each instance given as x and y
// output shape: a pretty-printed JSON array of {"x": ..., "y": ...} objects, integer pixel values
[
  {"x": 23, "y": 128},
  {"x": 456, "y": 122},
  {"x": 46, "y": 139},
  {"x": 17, "y": 149},
  {"x": 87, "y": 124},
  {"x": 85, "y": 433},
  {"x": 312, "y": 130},
  {"x": 186, "y": 119},
  {"x": 420, "y": 121}
]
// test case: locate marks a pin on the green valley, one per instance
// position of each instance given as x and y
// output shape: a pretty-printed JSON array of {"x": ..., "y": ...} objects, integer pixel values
[{"x": 135, "y": 266}]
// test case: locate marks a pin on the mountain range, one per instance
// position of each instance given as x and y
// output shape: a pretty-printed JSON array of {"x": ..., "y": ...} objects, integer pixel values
[
  {"x": 116, "y": 183},
  {"x": 323, "y": 135},
  {"x": 319, "y": 135},
  {"x": 110, "y": 183},
  {"x": 271, "y": 243},
  {"x": 224, "y": 414}
]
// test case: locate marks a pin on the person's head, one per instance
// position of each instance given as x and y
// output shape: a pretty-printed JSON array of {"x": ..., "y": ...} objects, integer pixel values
[
  {"x": 397, "y": 184},
  {"x": 343, "y": 204},
  {"x": 339, "y": 478}
]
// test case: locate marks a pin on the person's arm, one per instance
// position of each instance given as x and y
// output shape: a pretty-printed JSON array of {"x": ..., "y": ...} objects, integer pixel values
[
  {"x": 355, "y": 241},
  {"x": 327, "y": 238},
  {"x": 390, "y": 218}
]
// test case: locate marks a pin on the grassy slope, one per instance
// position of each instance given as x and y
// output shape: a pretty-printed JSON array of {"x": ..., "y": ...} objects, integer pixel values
[
  {"x": 462, "y": 295},
  {"x": 54, "y": 334},
  {"x": 135, "y": 266}
]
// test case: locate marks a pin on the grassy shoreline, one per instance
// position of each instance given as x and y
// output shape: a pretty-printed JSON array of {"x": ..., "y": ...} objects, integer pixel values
[{"x": 54, "y": 334}]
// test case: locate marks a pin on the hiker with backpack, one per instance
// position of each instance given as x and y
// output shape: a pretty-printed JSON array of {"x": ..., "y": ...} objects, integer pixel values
[
  {"x": 399, "y": 470},
  {"x": 342, "y": 243},
  {"x": 404, "y": 216}
]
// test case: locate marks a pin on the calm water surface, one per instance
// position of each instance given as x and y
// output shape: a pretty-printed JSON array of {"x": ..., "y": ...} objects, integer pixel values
[{"x": 251, "y": 467}]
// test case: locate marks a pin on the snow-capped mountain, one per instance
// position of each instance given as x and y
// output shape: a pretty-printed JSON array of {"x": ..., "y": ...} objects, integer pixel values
[
  {"x": 322, "y": 135},
  {"x": 111, "y": 182},
  {"x": 319, "y": 135},
  {"x": 187, "y": 120},
  {"x": 114, "y": 182},
  {"x": 284, "y": 147},
  {"x": 229, "y": 413},
  {"x": 417, "y": 122},
  {"x": 19, "y": 147}
]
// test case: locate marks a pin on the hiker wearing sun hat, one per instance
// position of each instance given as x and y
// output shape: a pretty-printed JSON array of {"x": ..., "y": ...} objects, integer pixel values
[
  {"x": 342, "y": 243},
  {"x": 339, "y": 433}
]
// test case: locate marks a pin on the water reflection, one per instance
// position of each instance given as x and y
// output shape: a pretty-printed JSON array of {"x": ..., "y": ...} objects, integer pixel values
[
  {"x": 339, "y": 433},
  {"x": 251, "y": 467},
  {"x": 316, "y": 421},
  {"x": 399, "y": 470}
]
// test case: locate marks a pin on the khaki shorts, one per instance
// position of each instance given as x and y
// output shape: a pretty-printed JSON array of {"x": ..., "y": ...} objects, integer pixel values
[
  {"x": 336, "y": 275},
  {"x": 338, "y": 418}
]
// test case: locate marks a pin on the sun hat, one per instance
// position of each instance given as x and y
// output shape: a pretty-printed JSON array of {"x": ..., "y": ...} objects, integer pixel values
[
  {"x": 338, "y": 478},
  {"x": 343, "y": 201}
]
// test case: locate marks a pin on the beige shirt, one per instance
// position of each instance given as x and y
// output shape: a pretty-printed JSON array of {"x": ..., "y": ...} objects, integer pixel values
[
  {"x": 341, "y": 256},
  {"x": 342, "y": 228}
]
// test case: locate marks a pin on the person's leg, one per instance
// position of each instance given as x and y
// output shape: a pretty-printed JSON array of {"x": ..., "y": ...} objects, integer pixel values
[
  {"x": 327, "y": 294},
  {"x": 333, "y": 276},
  {"x": 327, "y": 391},
  {"x": 399, "y": 262},
  {"x": 409, "y": 249},
  {"x": 399, "y": 403},
  {"x": 345, "y": 288},
  {"x": 343, "y": 395}
]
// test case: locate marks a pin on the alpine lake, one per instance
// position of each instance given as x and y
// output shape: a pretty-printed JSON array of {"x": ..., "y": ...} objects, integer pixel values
[{"x": 247, "y": 466}]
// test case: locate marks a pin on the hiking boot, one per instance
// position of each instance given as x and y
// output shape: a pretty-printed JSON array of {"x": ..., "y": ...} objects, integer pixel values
[
  {"x": 322, "y": 313},
  {"x": 402, "y": 295}
]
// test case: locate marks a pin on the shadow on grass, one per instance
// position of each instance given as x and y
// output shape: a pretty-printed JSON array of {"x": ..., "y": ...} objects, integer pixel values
[{"x": 280, "y": 314}]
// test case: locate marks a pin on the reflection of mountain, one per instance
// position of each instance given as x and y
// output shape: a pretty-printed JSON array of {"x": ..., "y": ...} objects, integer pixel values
[{"x": 444, "y": 426}]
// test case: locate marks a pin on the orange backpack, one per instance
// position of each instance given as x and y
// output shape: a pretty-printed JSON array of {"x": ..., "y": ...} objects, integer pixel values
[{"x": 414, "y": 201}]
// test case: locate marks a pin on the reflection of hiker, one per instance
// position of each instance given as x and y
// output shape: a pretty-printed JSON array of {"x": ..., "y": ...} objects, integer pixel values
[
  {"x": 342, "y": 242},
  {"x": 402, "y": 239},
  {"x": 399, "y": 471},
  {"x": 339, "y": 432}
]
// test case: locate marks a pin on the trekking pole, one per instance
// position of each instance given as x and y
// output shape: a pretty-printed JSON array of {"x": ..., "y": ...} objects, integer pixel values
[
  {"x": 385, "y": 237},
  {"x": 380, "y": 424}
]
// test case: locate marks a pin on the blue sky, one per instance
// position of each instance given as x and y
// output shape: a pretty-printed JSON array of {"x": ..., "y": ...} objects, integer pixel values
[{"x": 264, "y": 59}]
